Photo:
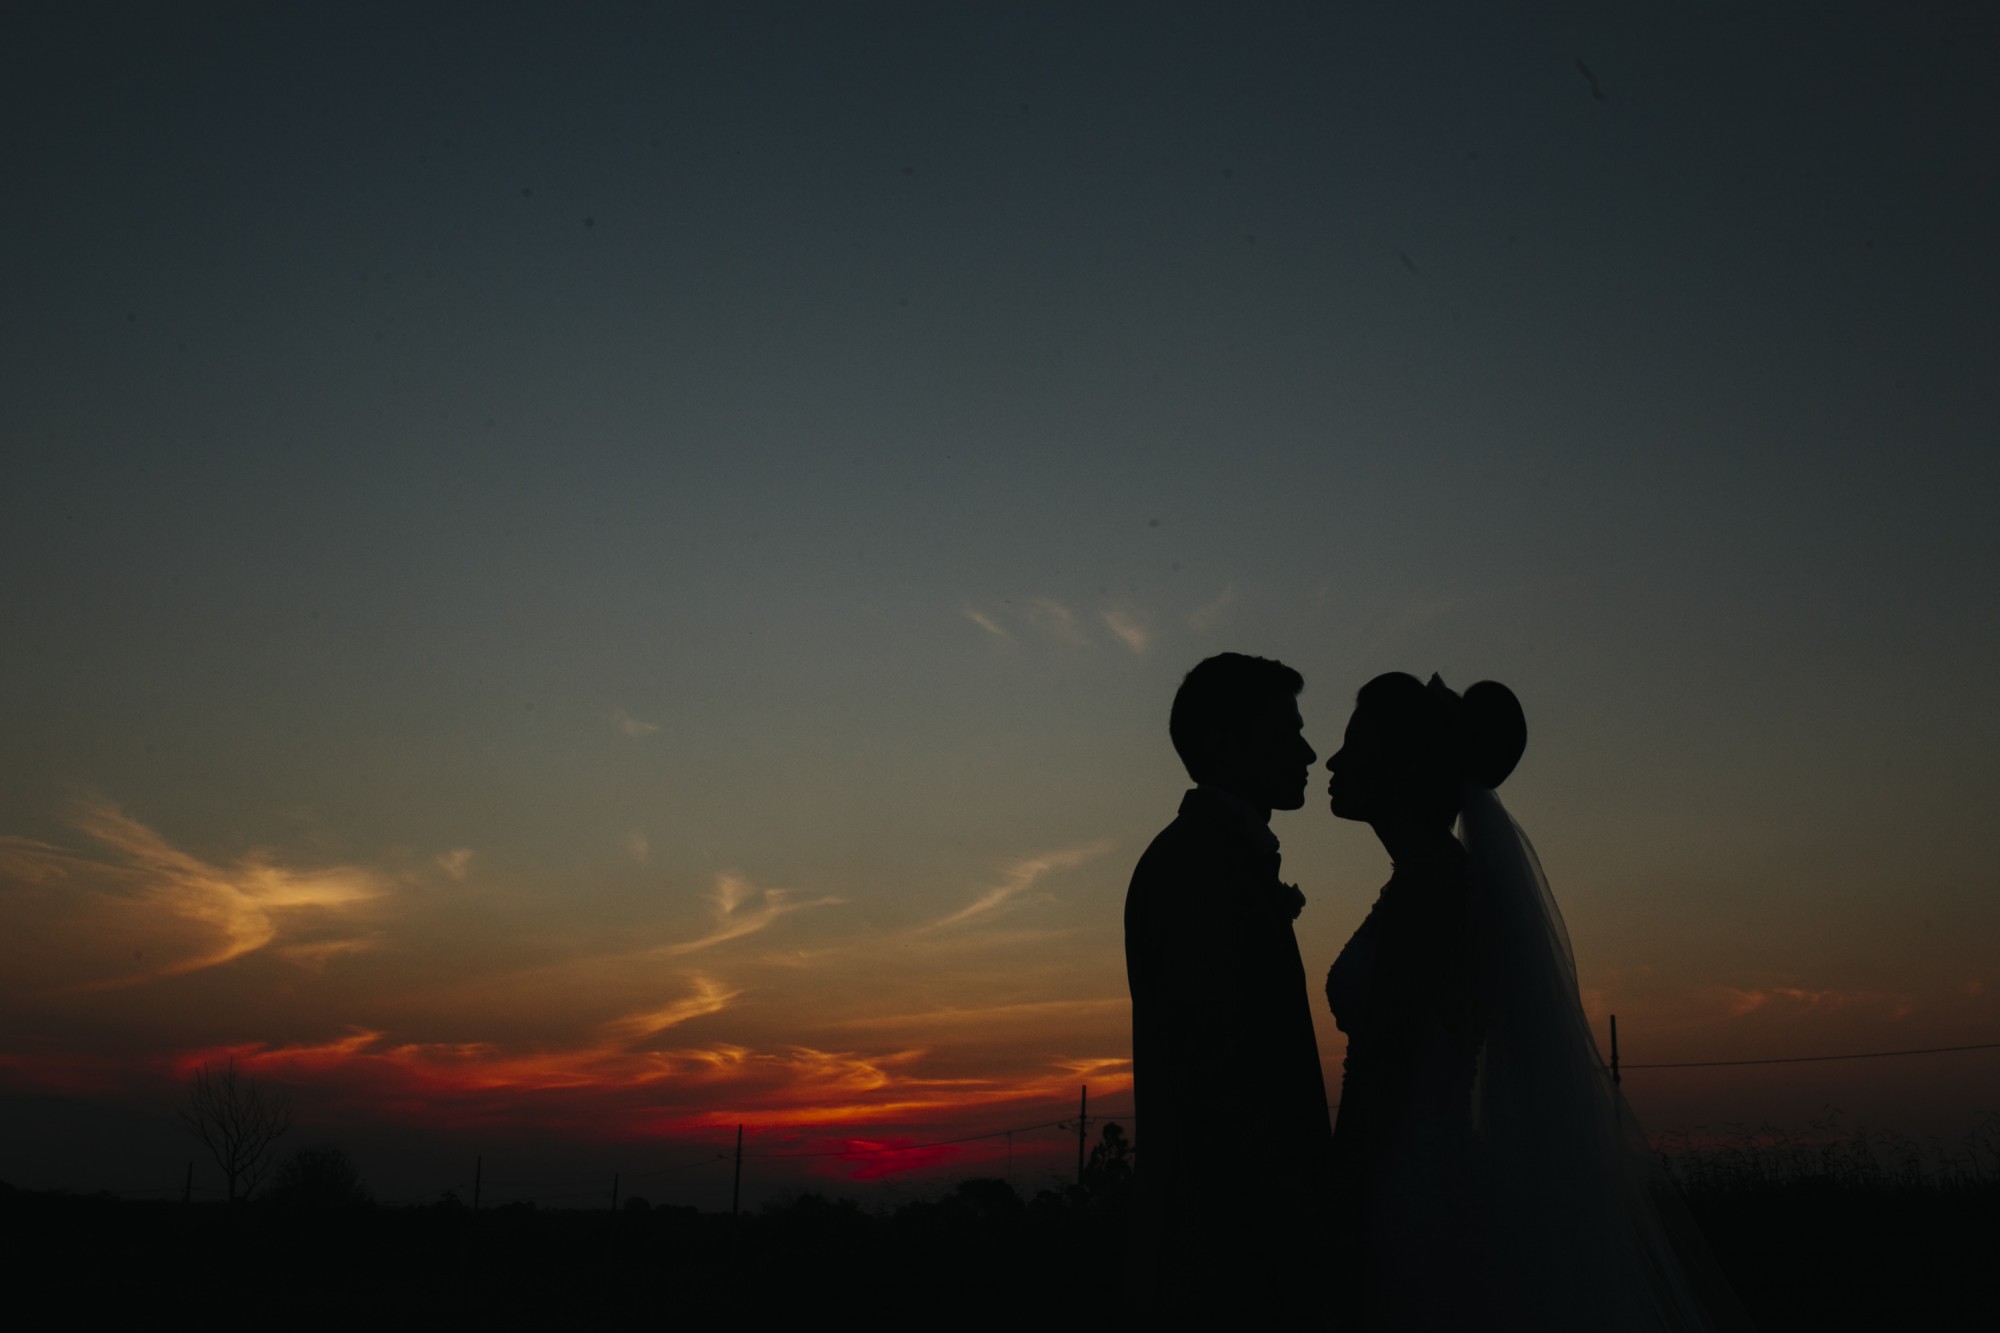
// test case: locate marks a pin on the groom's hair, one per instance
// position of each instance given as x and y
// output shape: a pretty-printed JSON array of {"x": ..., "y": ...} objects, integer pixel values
[{"x": 1225, "y": 691}]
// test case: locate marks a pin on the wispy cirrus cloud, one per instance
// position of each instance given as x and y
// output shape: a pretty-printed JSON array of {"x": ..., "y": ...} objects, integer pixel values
[
  {"x": 1051, "y": 620},
  {"x": 639, "y": 1031},
  {"x": 994, "y": 1015},
  {"x": 1211, "y": 613},
  {"x": 741, "y": 908},
  {"x": 1128, "y": 630},
  {"x": 611, "y": 1057},
  {"x": 315, "y": 954},
  {"x": 1019, "y": 878},
  {"x": 632, "y": 726},
  {"x": 708, "y": 996},
  {"x": 1055, "y": 620},
  {"x": 140, "y": 909},
  {"x": 1800, "y": 999},
  {"x": 987, "y": 623}
]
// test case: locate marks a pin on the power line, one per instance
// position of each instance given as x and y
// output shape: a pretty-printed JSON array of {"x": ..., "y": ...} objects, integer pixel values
[
  {"x": 1812, "y": 1059},
  {"x": 710, "y": 1160}
]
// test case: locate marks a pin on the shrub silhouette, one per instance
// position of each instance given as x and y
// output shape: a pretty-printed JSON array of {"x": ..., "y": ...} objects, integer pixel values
[{"x": 317, "y": 1176}]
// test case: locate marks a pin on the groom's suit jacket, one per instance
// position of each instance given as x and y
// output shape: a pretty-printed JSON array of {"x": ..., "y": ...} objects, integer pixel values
[{"x": 1233, "y": 1131}]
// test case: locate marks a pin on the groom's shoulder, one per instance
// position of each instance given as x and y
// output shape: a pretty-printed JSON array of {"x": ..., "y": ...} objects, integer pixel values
[{"x": 1188, "y": 852}]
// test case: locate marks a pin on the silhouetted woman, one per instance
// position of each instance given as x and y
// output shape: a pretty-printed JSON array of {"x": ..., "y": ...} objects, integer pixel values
[{"x": 1489, "y": 1173}]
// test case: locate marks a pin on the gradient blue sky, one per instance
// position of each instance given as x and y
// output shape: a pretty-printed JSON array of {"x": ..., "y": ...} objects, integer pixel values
[{"x": 525, "y": 522}]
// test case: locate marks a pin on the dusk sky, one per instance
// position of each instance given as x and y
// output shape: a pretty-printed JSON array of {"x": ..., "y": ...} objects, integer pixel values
[{"x": 576, "y": 575}]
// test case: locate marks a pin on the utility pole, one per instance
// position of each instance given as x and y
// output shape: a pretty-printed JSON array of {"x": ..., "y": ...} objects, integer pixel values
[
  {"x": 1082, "y": 1124},
  {"x": 1617, "y": 1102},
  {"x": 736, "y": 1192},
  {"x": 478, "y": 1176}
]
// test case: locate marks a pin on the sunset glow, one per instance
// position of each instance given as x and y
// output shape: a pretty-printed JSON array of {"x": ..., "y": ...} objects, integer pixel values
[{"x": 580, "y": 580}]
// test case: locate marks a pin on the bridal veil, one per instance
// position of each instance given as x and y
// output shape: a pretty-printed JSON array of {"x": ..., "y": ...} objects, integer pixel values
[{"x": 1587, "y": 1233}]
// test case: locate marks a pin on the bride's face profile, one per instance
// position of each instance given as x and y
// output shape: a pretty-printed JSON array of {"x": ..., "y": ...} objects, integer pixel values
[
  {"x": 1360, "y": 777},
  {"x": 1386, "y": 768}
]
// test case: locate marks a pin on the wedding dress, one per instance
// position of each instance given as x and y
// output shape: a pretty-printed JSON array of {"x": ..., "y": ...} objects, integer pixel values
[{"x": 1499, "y": 1179}]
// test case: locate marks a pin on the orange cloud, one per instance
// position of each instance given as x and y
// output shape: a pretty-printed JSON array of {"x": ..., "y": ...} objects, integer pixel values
[
  {"x": 709, "y": 998},
  {"x": 143, "y": 909},
  {"x": 554, "y": 1034},
  {"x": 611, "y": 1088},
  {"x": 986, "y": 623},
  {"x": 732, "y": 921},
  {"x": 1007, "y": 1015},
  {"x": 1796, "y": 999},
  {"x": 1128, "y": 630},
  {"x": 1020, "y": 877}
]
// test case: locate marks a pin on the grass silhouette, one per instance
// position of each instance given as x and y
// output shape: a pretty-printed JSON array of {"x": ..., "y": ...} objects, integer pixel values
[{"x": 1820, "y": 1228}]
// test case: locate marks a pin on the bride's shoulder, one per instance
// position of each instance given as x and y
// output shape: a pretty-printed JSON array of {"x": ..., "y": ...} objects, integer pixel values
[
  {"x": 1437, "y": 863},
  {"x": 1429, "y": 879}
]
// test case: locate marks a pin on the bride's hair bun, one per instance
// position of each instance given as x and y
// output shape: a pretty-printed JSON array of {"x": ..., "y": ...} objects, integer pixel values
[
  {"x": 1442, "y": 738},
  {"x": 1492, "y": 732}
]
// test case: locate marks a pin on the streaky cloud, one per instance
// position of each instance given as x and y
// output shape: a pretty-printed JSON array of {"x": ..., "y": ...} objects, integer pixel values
[
  {"x": 1792, "y": 1000},
  {"x": 1055, "y": 620},
  {"x": 632, "y": 726},
  {"x": 185, "y": 912},
  {"x": 1004, "y": 1014},
  {"x": 1128, "y": 631},
  {"x": 1020, "y": 877},
  {"x": 315, "y": 954},
  {"x": 1209, "y": 614},
  {"x": 986, "y": 623},
  {"x": 709, "y": 997},
  {"x": 735, "y": 918}
]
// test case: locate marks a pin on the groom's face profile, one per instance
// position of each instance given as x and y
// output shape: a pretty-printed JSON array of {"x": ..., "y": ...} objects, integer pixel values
[{"x": 1266, "y": 758}]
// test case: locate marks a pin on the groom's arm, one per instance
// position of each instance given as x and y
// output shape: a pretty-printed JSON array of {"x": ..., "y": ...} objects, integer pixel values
[{"x": 1198, "y": 956}]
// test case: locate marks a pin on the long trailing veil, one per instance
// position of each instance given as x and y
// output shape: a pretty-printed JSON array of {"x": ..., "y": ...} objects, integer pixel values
[{"x": 1589, "y": 1234}]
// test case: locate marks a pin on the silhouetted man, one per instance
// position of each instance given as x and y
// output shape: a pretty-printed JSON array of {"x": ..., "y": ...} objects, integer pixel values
[{"x": 1233, "y": 1133}]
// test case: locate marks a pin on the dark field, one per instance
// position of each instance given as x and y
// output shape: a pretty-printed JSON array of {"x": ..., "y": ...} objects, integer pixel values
[{"x": 1807, "y": 1254}]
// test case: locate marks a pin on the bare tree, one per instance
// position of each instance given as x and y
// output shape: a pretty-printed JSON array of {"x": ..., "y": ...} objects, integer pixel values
[{"x": 237, "y": 1119}]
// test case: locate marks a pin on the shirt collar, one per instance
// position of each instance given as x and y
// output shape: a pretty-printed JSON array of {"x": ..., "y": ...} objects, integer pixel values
[{"x": 1242, "y": 816}]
